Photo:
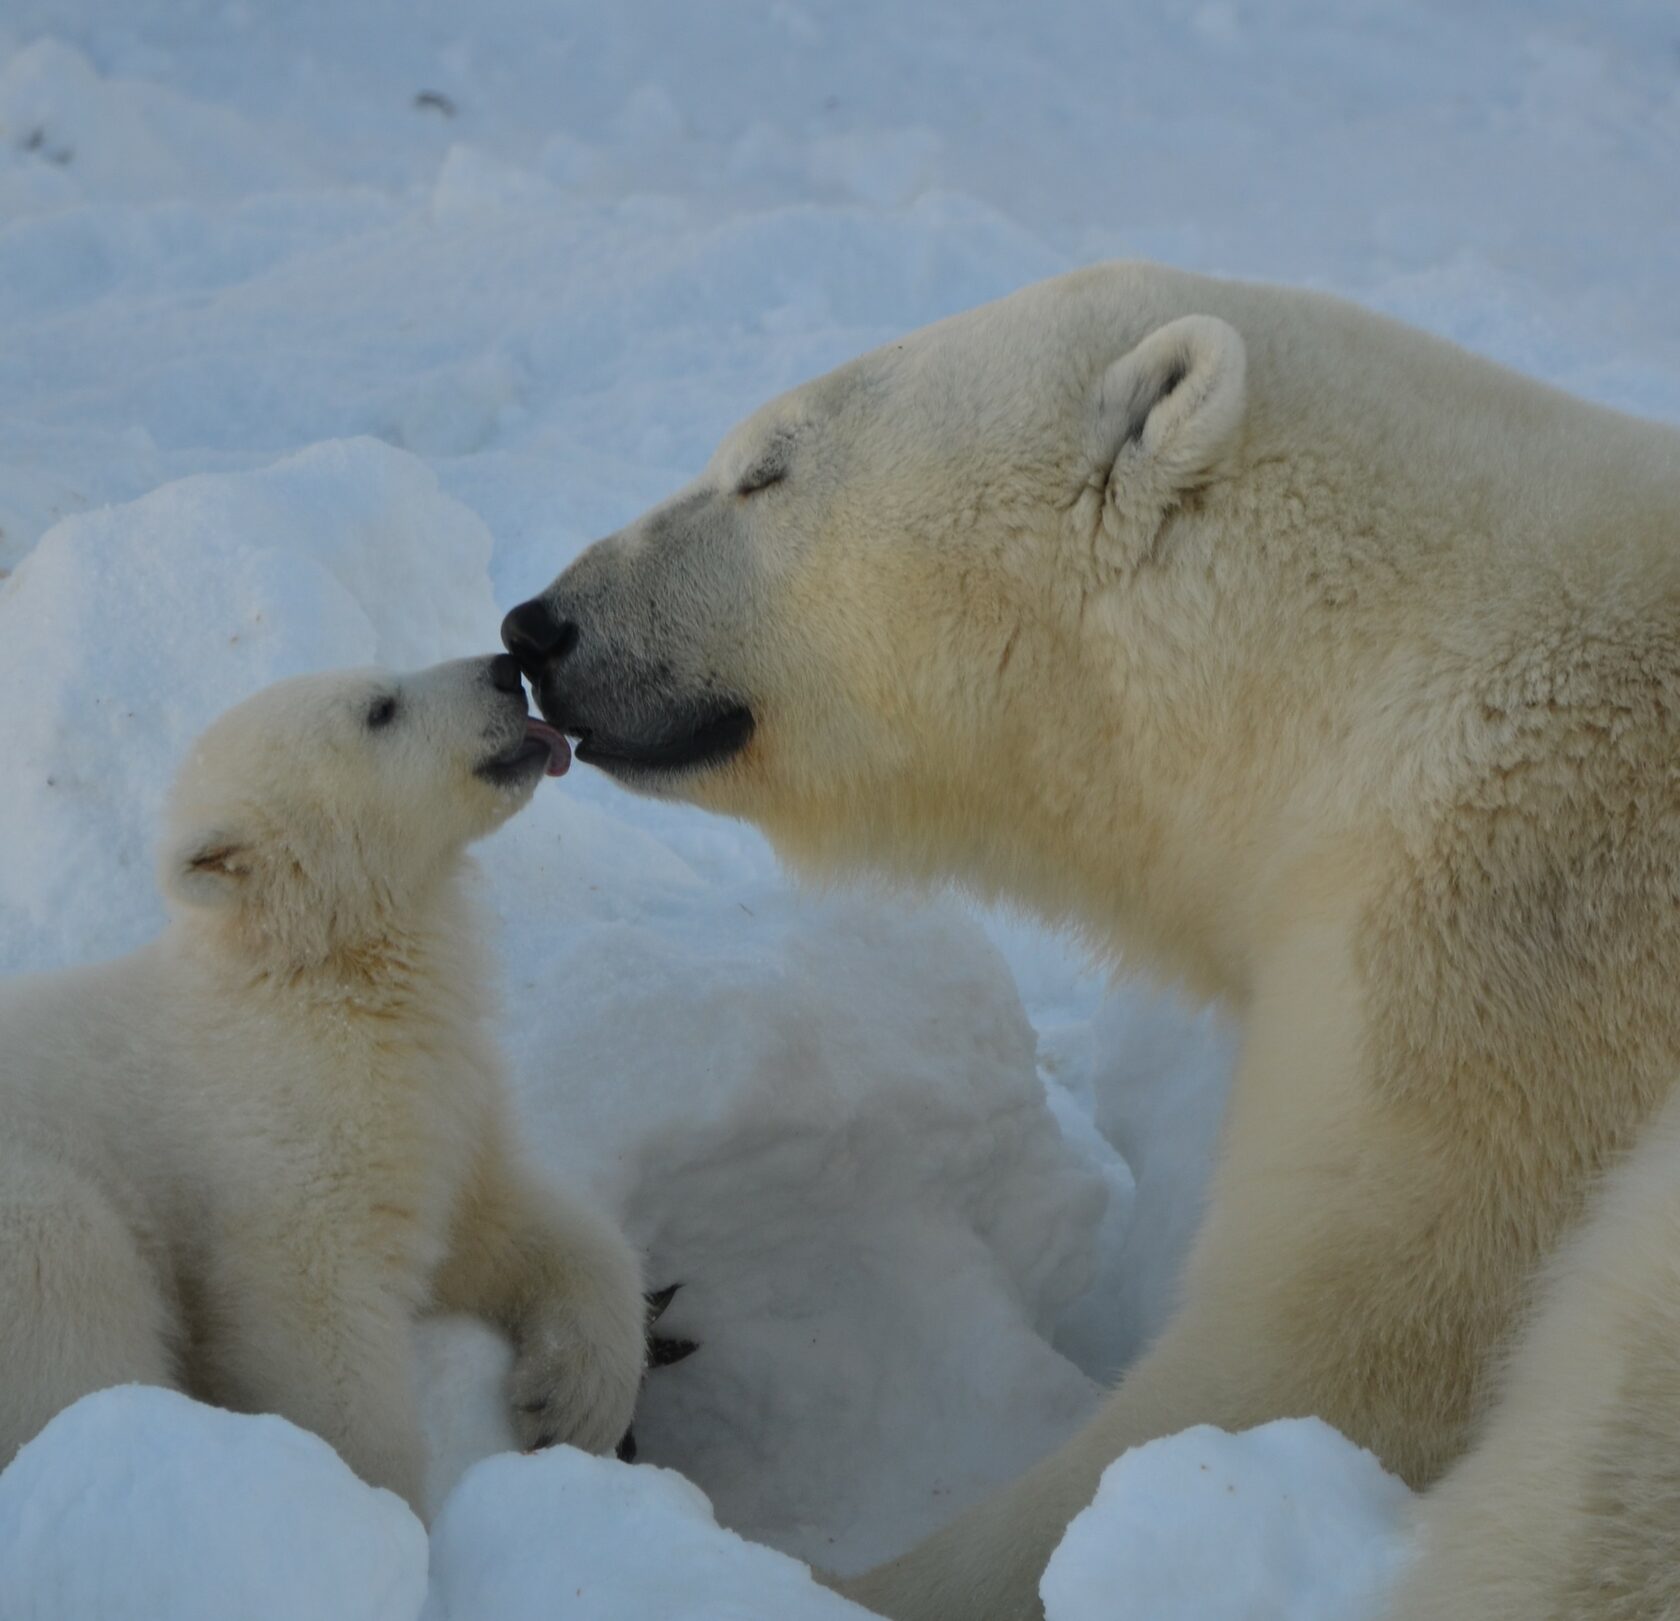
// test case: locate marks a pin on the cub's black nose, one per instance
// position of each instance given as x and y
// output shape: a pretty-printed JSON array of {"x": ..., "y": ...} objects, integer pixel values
[
  {"x": 504, "y": 673},
  {"x": 535, "y": 635}
]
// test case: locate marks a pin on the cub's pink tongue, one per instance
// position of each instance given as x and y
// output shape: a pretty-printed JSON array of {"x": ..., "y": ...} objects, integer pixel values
[{"x": 559, "y": 750}]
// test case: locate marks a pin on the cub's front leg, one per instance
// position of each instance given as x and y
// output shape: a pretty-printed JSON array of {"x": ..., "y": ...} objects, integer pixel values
[{"x": 567, "y": 1288}]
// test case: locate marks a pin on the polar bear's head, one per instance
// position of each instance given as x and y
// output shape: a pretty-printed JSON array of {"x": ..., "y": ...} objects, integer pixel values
[
  {"x": 323, "y": 809},
  {"x": 857, "y": 604}
]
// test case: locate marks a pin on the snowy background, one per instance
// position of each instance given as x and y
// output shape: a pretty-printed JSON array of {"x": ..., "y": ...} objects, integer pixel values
[{"x": 330, "y": 329}]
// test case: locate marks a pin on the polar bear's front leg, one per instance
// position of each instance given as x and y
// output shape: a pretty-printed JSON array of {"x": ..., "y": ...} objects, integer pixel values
[
  {"x": 567, "y": 1287},
  {"x": 1335, "y": 1274},
  {"x": 308, "y": 1327},
  {"x": 1566, "y": 1507}
]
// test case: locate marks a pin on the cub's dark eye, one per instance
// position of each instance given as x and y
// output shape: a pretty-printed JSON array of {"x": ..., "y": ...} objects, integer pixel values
[
  {"x": 761, "y": 477},
  {"x": 381, "y": 712}
]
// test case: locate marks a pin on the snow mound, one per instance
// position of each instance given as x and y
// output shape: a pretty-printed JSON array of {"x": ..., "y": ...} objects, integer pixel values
[
  {"x": 1287, "y": 1522},
  {"x": 619, "y": 1543},
  {"x": 823, "y": 1119},
  {"x": 1150, "y": 1086},
  {"x": 128, "y": 629},
  {"x": 138, "y": 1504}
]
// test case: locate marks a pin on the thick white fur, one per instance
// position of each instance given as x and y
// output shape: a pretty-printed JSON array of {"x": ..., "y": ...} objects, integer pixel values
[
  {"x": 242, "y": 1159},
  {"x": 1315, "y": 663}
]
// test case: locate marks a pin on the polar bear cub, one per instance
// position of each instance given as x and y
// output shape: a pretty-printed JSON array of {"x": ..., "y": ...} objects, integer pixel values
[{"x": 241, "y": 1160}]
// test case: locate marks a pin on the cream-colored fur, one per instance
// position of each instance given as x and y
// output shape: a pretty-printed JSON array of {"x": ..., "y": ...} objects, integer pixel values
[
  {"x": 1569, "y": 1509},
  {"x": 242, "y": 1159},
  {"x": 1286, "y": 652}
]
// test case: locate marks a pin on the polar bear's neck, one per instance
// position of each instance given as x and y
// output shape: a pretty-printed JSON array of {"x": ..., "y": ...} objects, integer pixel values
[{"x": 1333, "y": 656}]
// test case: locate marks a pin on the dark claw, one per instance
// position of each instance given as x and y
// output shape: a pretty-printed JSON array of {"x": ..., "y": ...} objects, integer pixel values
[
  {"x": 658, "y": 1300},
  {"x": 627, "y": 1447},
  {"x": 546, "y": 1439},
  {"x": 663, "y": 1352}
]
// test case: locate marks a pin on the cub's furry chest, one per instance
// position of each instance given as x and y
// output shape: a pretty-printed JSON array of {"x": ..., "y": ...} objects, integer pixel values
[
  {"x": 354, "y": 1127},
  {"x": 398, "y": 1136}
]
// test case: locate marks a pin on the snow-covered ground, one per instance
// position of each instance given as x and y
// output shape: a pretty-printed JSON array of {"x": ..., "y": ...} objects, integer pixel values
[
  {"x": 136, "y": 1505},
  {"x": 330, "y": 329}
]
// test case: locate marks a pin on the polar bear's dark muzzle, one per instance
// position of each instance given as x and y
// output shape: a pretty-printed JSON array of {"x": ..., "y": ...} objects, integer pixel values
[
  {"x": 628, "y": 716},
  {"x": 705, "y": 737}
]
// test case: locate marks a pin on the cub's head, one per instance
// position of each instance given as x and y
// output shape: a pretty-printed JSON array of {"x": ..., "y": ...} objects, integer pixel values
[
  {"x": 315, "y": 812},
  {"x": 874, "y": 594}
]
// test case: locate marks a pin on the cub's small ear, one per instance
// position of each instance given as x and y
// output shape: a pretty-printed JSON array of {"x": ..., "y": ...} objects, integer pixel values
[
  {"x": 209, "y": 867},
  {"x": 1165, "y": 415}
]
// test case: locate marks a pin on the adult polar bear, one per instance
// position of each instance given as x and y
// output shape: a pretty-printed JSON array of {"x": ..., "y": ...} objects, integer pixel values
[{"x": 1309, "y": 661}]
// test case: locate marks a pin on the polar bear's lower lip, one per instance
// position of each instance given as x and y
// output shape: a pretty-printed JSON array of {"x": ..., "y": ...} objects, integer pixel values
[{"x": 710, "y": 739}]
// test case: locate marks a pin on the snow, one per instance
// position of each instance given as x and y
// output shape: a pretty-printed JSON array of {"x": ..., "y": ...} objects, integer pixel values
[
  {"x": 849, "y": 1168},
  {"x": 1287, "y": 1522},
  {"x": 132, "y": 627},
  {"x": 636, "y": 1545},
  {"x": 136, "y": 1504},
  {"x": 851, "y": 1171},
  {"x": 329, "y": 331}
]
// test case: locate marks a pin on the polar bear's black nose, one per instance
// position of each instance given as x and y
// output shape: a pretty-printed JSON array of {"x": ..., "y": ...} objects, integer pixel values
[
  {"x": 535, "y": 635},
  {"x": 504, "y": 673}
]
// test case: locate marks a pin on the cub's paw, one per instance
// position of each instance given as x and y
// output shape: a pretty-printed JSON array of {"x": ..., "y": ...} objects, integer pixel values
[{"x": 578, "y": 1363}]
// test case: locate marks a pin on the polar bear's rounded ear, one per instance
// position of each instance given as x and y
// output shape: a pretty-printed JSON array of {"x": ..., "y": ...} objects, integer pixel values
[
  {"x": 209, "y": 867},
  {"x": 1165, "y": 414}
]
